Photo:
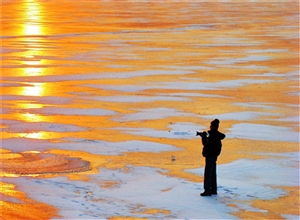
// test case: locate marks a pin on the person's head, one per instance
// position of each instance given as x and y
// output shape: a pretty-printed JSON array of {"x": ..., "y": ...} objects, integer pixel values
[{"x": 214, "y": 125}]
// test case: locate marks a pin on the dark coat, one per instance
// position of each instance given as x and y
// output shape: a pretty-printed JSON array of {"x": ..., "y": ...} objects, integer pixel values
[{"x": 212, "y": 144}]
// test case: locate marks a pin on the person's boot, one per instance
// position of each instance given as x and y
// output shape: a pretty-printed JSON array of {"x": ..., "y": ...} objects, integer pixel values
[
  {"x": 205, "y": 193},
  {"x": 214, "y": 192}
]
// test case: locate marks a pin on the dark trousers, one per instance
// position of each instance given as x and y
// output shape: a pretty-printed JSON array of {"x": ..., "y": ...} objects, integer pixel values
[{"x": 210, "y": 174}]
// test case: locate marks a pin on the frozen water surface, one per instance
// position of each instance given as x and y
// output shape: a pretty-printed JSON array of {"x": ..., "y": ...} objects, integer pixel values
[
  {"x": 263, "y": 132},
  {"x": 144, "y": 187},
  {"x": 122, "y": 87}
]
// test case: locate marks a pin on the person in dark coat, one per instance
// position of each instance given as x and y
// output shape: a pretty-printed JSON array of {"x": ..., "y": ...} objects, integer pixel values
[{"x": 212, "y": 147}]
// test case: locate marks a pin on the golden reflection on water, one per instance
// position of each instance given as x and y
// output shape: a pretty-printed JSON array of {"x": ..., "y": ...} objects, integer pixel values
[
  {"x": 36, "y": 89},
  {"x": 33, "y": 17},
  {"x": 37, "y": 135},
  {"x": 32, "y": 71},
  {"x": 29, "y": 105},
  {"x": 22, "y": 207},
  {"x": 28, "y": 117},
  {"x": 33, "y": 27},
  {"x": 33, "y": 30}
]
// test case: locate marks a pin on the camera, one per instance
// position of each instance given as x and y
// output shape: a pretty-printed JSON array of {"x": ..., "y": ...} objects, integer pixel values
[{"x": 201, "y": 134}]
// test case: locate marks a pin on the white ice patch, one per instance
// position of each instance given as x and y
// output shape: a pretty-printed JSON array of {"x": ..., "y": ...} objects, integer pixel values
[
  {"x": 100, "y": 75},
  {"x": 186, "y": 127},
  {"x": 295, "y": 119},
  {"x": 185, "y": 85},
  {"x": 123, "y": 88},
  {"x": 141, "y": 188},
  {"x": 148, "y": 132},
  {"x": 293, "y": 76},
  {"x": 255, "y": 105},
  {"x": 25, "y": 144},
  {"x": 263, "y": 132},
  {"x": 265, "y": 75},
  {"x": 137, "y": 190},
  {"x": 74, "y": 111},
  {"x": 86, "y": 145},
  {"x": 138, "y": 88},
  {"x": 112, "y": 148},
  {"x": 202, "y": 95},
  {"x": 210, "y": 85},
  {"x": 240, "y": 116},
  {"x": 248, "y": 59},
  {"x": 38, "y": 99},
  {"x": 256, "y": 51},
  {"x": 153, "y": 114},
  {"x": 14, "y": 126},
  {"x": 136, "y": 98},
  {"x": 246, "y": 179}
]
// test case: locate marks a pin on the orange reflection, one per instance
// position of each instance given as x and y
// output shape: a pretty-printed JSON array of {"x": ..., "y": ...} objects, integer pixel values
[
  {"x": 37, "y": 135},
  {"x": 33, "y": 28},
  {"x": 33, "y": 18},
  {"x": 36, "y": 89},
  {"x": 29, "y": 105},
  {"x": 32, "y": 71},
  {"x": 23, "y": 207},
  {"x": 28, "y": 117}
]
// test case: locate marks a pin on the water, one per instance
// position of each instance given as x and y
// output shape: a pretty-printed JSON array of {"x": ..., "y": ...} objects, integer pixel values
[{"x": 126, "y": 85}]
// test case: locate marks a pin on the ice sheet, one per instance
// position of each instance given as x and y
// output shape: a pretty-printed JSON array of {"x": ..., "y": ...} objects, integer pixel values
[
  {"x": 124, "y": 81},
  {"x": 263, "y": 132},
  {"x": 143, "y": 188}
]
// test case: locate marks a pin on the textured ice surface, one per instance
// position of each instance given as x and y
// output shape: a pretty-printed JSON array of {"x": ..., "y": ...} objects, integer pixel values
[
  {"x": 153, "y": 114},
  {"x": 140, "y": 188},
  {"x": 263, "y": 132},
  {"x": 119, "y": 81}
]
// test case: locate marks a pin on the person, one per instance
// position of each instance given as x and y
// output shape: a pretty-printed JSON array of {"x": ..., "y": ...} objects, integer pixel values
[{"x": 212, "y": 146}]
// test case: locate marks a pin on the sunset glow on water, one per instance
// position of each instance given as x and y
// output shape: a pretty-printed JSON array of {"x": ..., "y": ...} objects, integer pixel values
[{"x": 97, "y": 97}]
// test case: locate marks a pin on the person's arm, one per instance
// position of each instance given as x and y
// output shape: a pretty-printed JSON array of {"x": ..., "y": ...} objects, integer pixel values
[{"x": 205, "y": 142}]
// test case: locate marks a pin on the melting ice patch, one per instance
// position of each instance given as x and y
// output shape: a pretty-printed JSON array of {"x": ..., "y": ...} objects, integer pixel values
[
  {"x": 100, "y": 75},
  {"x": 263, "y": 132},
  {"x": 74, "y": 111},
  {"x": 123, "y": 88},
  {"x": 187, "y": 127},
  {"x": 86, "y": 145},
  {"x": 256, "y": 51},
  {"x": 35, "y": 99},
  {"x": 246, "y": 179},
  {"x": 132, "y": 193},
  {"x": 148, "y": 132},
  {"x": 136, "y": 98},
  {"x": 210, "y": 85},
  {"x": 255, "y": 105},
  {"x": 25, "y": 144},
  {"x": 251, "y": 58},
  {"x": 19, "y": 126},
  {"x": 178, "y": 130},
  {"x": 140, "y": 188},
  {"x": 153, "y": 114},
  {"x": 112, "y": 148},
  {"x": 295, "y": 119},
  {"x": 139, "y": 88},
  {"x": 241, "y": 116}
]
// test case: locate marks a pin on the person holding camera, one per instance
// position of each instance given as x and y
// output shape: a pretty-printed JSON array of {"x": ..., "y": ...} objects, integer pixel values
[{"x": 212, "y": 146}]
